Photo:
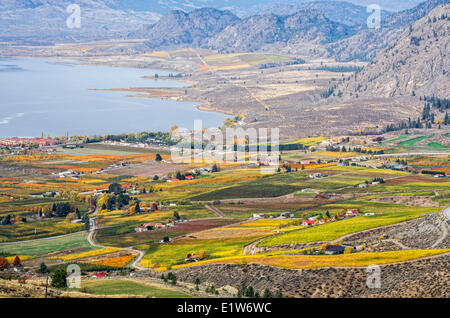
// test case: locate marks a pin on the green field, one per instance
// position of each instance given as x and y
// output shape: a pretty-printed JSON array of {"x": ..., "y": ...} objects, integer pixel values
[
  {"x": 47, "y": 245},
  {"x": 37, "y": 229},
  {"x": 175, "y": 253},
  {"x": 437, "y": 146},
  {"x": 127, "y": 287},
  {"x": 386, "y": 214},
  {"x": 413, "y": 141}
]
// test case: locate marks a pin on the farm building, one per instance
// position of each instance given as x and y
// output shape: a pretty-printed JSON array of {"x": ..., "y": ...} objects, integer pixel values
[
  {"x": 351, "y": 212},
  {"x": 286, "y": 215},
  {"x": 258, "y": 215},
  {"x": 99, "y": 275},
  {"x": 144, "y": 227},
  {"x": 335, "y": 249}
]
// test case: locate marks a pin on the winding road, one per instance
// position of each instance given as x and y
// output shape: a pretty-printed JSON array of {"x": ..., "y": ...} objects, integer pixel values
[{"x": 91, "y": 239}]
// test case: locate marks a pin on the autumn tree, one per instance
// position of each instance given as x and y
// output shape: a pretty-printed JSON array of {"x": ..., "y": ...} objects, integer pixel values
[
  {"x": 3, "y": 263},
  {"x": 17, "y": 262}
]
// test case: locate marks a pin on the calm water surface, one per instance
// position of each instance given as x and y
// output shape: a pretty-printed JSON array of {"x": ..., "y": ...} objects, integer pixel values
[{"x": 40, "y": 96}]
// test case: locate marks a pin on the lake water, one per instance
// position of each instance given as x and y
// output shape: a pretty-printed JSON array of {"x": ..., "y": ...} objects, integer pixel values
[{"x": 37, "y": 96}]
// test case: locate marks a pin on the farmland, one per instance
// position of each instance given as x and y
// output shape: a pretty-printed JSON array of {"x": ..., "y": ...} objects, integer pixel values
[
  {"x": 127, "y": 287},
  {"x": 235, "y": 215}
]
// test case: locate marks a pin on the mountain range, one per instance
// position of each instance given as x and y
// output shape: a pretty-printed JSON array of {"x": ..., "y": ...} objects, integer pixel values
[
  {"x": 312, "y": 31},
  {"x": 311, "y": 28}
]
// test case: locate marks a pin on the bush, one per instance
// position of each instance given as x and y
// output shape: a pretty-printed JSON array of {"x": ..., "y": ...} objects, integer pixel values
[{"x": 59, "y": 279}]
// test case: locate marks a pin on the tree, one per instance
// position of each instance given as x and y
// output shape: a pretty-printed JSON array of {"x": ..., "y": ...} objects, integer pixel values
[
  {"x": 158, "y": 157},
  {"x": 137, "y": 208},
  {"x": 3, "y": 263},
  {"x": 176, "y": 216},
  {"x": 59, "y": 279},
  {"x": 155, "y": 178},
  {"x": 17, "y": 262},
  {"x": 215, "y": 168},
  {"x": 42, "y": 269},
  {"x": 86, "y": 221},
  {"x": 115, "y": 188},
  {"x": 250, "y": 292},
  {"x": 267, "y": 294},
  {"x": 77, "y": 212}
]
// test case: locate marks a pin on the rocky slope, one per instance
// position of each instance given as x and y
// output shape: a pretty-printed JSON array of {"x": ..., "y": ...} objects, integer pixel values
[
  {"x": 416, "y": 64},
  {"x": 338, "y": 11},
  {"x": 420, "y": 278},
  {"x": 178, "y": 28},
  {"x": 37, "y": 21},
  {"x": 271, "y": 31},
  {"x": 366, "y": 43}
]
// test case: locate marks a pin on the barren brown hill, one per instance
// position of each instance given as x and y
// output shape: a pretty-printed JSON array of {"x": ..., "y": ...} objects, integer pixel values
[{"x": 417, "y": 64}]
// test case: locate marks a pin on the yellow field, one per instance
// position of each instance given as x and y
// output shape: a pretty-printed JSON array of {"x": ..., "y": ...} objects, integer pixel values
[
  {"x": 101, "y": 251},
  {"x": 161, "y": 54},
  {"x": 316, "y": 261}
]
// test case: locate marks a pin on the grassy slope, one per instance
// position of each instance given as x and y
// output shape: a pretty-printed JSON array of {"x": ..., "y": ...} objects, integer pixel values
[
  {"x": 126, "y": 287},
  {"x": 47, "y": 245}
]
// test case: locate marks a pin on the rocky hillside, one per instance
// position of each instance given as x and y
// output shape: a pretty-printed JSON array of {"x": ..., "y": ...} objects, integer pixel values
[
  {"x": 178, "y": 28},
  {"x": 38, "y": 21},
  {"x": 339, "y": 11},
  {"x": 366, "y": 43},
  {"x": 270, "y": 32},
  {"x": 416, "y": 64},
  {"x": 419, "y": 278}
]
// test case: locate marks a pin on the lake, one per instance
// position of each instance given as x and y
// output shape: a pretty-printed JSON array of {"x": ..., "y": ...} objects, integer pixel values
[{"x": 54, "y": 98}]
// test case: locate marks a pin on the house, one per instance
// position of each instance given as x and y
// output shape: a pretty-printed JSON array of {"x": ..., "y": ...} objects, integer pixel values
[
  {"x": 172, "y": 204},
  {"x": 369, "y": 214},
  {"x": 99, "y": 275},
  {"x": 173, "y": 180},
  {"x": 315, "y": 175},
  {"x": 351, "y": 212},
  {"x": 258, "y": 215},
  {"x": 308, "y": 222},
  {"x": 334, "y": 249},
  {"x": 363, "y": 185},
  {"x": 286, "y": 215},
  {"x": 189, "y": 177},
  {"x": 159, "y": 225},
  {"x": 144, "y": 228}
]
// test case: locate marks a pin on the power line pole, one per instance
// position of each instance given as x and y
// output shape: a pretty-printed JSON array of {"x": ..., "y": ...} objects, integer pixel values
[{"x": 46, "y": 285}]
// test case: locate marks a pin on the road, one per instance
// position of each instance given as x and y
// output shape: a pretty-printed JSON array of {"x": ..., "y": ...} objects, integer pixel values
[{"x": 93, "y": 242}]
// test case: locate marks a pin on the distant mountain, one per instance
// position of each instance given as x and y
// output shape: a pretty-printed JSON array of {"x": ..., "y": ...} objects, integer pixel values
[
  {"x": 242, "y": 8},
  {"x": 178, "y": 28},
  {"x": 337, "y": 11},
  {"x": 45, "y": 20},
  {"x": 367, "y": 42},
  {"x": 417, "y": 63},
  {"x": 271, "y": 31}
]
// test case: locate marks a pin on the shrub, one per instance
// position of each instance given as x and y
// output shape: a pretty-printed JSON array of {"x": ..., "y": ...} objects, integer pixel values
[{"x": 59, "y": 279}]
